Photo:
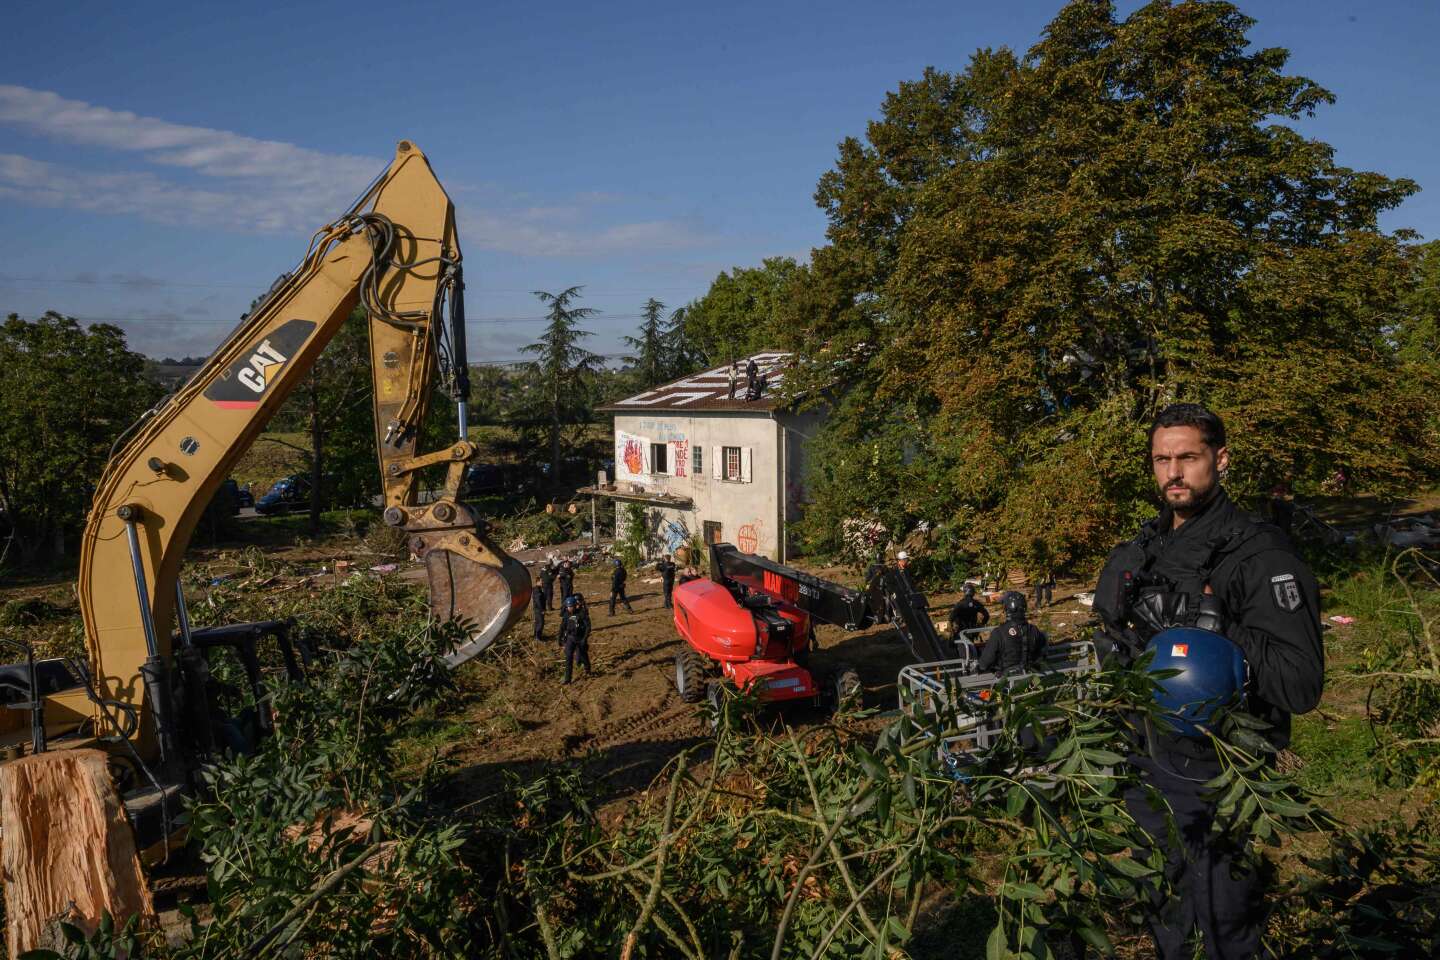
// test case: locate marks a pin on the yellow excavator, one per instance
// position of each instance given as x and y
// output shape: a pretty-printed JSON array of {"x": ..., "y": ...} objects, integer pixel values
[{"x": 142, "y": 694}]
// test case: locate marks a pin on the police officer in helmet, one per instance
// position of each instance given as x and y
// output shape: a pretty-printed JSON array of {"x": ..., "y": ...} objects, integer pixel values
[
  {"x": 1014, "y": 645},
  {"x": 968, "y": 613},
  {"x": 1202, "y": 563},
  {"x": 575, "y": 634}
]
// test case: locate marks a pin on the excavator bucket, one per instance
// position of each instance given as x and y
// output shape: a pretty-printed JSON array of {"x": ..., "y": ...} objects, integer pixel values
[{"x": 486, "y": 598}]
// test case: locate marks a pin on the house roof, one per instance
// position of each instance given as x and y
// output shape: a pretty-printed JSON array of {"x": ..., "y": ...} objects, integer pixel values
[{"x": 710, "y": 389}]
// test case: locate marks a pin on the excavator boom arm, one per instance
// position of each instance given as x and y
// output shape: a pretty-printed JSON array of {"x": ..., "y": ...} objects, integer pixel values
[{"x": 397, "y": 254}]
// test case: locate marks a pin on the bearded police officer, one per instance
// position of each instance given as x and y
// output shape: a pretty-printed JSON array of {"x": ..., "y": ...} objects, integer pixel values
[
  {"x": 1203, "y": 563},
  {"x": 1014, "y": 645}
]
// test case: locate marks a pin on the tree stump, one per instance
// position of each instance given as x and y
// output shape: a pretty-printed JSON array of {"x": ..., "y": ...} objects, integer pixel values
[{"x": 68, "y": 852}]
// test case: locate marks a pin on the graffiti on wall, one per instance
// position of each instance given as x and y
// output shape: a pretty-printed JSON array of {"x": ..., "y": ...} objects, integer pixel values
[
  {"x": 680, "y": 451},
  {"x": 631, "y": 453},
  {"x": 748, "y": 537},
  {"x": 676, "y": 535}
]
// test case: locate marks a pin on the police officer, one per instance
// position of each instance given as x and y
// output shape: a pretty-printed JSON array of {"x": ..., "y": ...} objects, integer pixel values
[
  {"x": 575, "y": 634},
  {"x": 1202, "y": 562},
  {"x": 667, "y": 577},
  {"x": 1015, "y": 644},
  {"x": 967, "y": 614},
  {"x": 547, "y": 580},
  {"x": 617, "y": 587},
  {"x": 567, "y": 581},
  {"x": 537, "y": 609}
]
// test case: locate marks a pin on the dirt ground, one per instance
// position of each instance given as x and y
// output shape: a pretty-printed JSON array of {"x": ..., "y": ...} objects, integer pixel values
[{"x": 625, "y": 719}]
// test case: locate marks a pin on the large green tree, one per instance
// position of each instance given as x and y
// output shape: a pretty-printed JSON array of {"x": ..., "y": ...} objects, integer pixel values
[
  {"x": 1026, "y": 259},
  {"x": 68, "y": 392},
  {"x": 742, "y": 313},
  {"x": 562, "y": 368}
]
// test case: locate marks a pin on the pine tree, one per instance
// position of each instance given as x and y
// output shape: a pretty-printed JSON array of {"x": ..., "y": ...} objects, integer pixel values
[
  {"x": 562, "y": 367},
  {"x": 651, "y": 363}
]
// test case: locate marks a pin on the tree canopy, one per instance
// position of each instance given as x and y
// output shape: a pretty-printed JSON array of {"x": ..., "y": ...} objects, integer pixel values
[
  {"x": 742, "y": 313},
  {"x": 1028, "y": 258},
  {"x": 68, "y": 392}
]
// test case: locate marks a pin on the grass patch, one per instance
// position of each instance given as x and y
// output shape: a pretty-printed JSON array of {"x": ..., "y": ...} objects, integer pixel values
[{"x": 1337, "y": 754}]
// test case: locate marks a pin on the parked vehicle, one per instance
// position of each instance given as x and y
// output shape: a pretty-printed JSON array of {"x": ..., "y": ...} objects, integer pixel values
[
  {"x": 483, "y": 479},
  {"x": 288, "y": 494}
]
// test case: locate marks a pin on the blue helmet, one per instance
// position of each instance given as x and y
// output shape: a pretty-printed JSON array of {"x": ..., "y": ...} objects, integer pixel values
[
  {"x": 574, "y": 600},
  {"x": 1212, "y": 675}
]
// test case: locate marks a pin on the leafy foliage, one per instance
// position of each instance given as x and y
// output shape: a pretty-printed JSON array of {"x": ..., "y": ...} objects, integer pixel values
[
  {"x": 562, "y": 367},
  {"x": 742, "y": 313},
  {"x": 68, "y": 392},
  {"x": 1028, "y": 258}
]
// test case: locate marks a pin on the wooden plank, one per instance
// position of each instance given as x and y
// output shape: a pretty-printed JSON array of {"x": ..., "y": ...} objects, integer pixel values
[{"x": 68, "y": 851}]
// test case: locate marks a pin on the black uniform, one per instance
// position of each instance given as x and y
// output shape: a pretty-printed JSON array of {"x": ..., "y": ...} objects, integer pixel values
[
  {"x": 547, "y": 580},
  {"x": 1270, "y": 604},
  {"x": 617, "y": 589},
  {"x": 667, "y": 578},
  {"x": 1012, "y": 646},
  {"x": 537, "y": 609},
  {"x": 575, "y": 637},
  {"x": 967, "y": 615},
  {"x": 567, "y": 582}
]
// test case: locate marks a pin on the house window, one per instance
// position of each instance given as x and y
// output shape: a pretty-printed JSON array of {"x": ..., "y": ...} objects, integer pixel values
[
  {"x": 732, "y": 463},
  {"x": 659, "y": 458},
  {"x": 697, "y": 462}
]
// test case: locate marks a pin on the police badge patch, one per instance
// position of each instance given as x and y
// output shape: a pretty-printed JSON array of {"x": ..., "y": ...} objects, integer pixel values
[{"x": 1286, "y": 591}]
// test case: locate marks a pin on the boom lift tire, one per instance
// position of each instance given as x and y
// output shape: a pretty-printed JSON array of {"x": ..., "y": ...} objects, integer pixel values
[
  {"x": 715, "y": 694},
  {"x": 690, "y": 675},
  {"x": 846, "y": 688}
]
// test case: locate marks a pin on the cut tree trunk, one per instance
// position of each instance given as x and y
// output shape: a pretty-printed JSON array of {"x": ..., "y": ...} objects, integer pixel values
[{"x": 68, "y": 853}]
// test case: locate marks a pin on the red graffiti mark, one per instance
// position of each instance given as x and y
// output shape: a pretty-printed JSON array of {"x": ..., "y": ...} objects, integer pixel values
[
  {"x": 682, "y": 457},
  {"x": 634, "y": 457},
  {"x": 747, "y": 539}
]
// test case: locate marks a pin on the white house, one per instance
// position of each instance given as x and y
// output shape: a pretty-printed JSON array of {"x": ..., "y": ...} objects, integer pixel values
[{"x": 712, "y": 465}]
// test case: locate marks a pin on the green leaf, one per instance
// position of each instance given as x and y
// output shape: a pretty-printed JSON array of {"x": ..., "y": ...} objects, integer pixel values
[
  {"x": 995, "y": 946},
  {"x": 1131, "y": 867},
  {"x": 1021, "y": 891},
  {"x": 1096, "y": 938}
]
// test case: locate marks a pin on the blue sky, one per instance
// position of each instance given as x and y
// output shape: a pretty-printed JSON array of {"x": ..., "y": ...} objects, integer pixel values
[{"x": 160, "y": 164}]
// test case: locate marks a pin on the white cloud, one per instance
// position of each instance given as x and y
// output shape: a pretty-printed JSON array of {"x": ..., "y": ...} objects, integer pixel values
[
  {"x": 211, "y": 153},
  {"x": 271, "y": 186},
  {"x": 152, "y": 198}
]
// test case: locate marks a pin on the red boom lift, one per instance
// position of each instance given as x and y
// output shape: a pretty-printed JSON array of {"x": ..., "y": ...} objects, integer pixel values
[{"x": 755, "y": 619}]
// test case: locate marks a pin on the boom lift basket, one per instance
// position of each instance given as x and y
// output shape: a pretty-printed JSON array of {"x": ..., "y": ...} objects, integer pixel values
[{"x": 950, "y": 692}]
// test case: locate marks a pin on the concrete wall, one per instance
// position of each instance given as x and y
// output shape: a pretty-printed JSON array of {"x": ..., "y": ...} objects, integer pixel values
[{"x": 750, "y": 514}]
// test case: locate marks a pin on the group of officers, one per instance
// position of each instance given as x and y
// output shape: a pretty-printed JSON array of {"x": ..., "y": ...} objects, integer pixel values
[{"x": 575, "y": 628}]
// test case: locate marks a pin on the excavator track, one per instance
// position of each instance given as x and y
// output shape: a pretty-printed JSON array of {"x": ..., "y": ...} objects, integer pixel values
[{"x": 633, "y": 729}]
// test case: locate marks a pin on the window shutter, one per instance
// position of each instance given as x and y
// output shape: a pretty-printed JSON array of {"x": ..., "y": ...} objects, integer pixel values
[
  {"x": 717, "y": 464},
  {"x": 746, "y": 470}
]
